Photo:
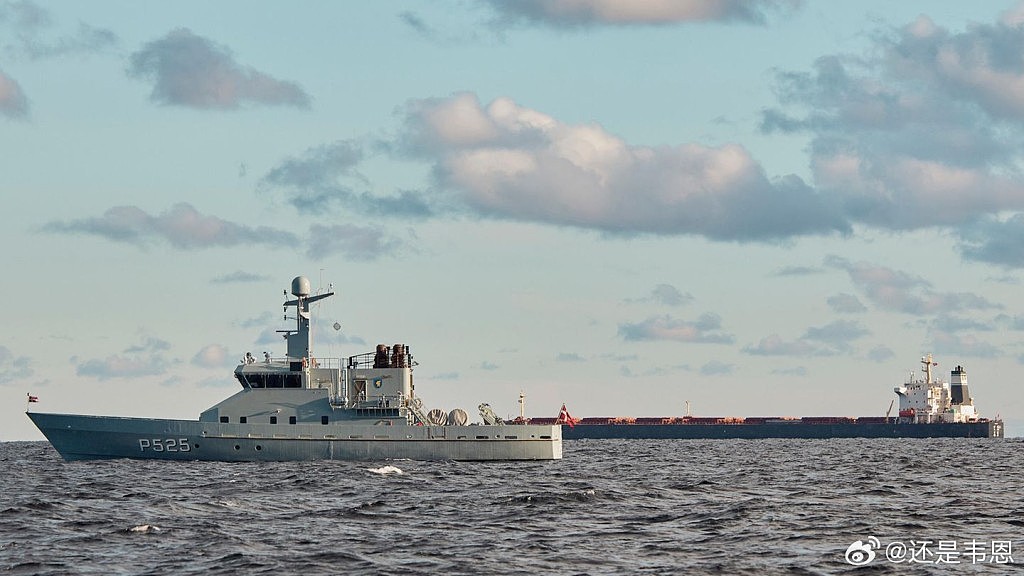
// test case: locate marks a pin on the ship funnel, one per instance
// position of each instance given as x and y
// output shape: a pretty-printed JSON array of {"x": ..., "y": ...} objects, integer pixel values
[{"x": 300, "y": 286}]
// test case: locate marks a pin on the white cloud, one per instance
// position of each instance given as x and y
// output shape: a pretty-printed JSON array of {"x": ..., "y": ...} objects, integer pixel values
[
  {"x": 925, "y": 129},
  {"x": 634, "y": 12},
  {"x": 211, "y": 356},
  {"x": 508, "y": 161}
]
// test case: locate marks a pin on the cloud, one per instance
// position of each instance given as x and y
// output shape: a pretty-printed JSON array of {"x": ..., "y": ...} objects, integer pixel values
[
  {"x": 29, "y": 27},
  {"x": 704, "y": 330},
  {"x": 1015, "y": 322},
  {"x": 948, "y": 323},
  {"x": 240, "y": 277},
  {"x": 269, "y": 336},
  {"x": 149, "y": 344},
  {"x": 994, "y": 240},
  {"x": 13, "y": 103},
  {"x": 14, "y": 368},
  {"x": 355, "y": 242},
  {"x": 902, "y": 292},
  {"x": 315, "y": 182},
  {"x": 211, "y": 356},
  {"x": 828, "y": 340},
  {"x": 331, "y": 336},
  {"x": 881, "y": 354},
  {"x": 581, "y": 13},
  {"x": 669, "y": 295},
  {"x": 837, "y": 333},
  {"x": 959, "y": 345},
  {"x": 774, "y": 345},
  {"x": 507, "y": 161},
  {"x": 185, "y": 228},
  {"x": 182, "y": 227},
  {"x": 569, "y": 357},
  {"x": 846, "y": 303},
  {"x": 715, "y": 368},
  {"x": 192, "y": 71},
  {"x": 798, "y": 271},
  {"x": 118, "y": 366},
  {"x": 924, "y": 129},
  {"x": 143, "y": 359},
  {"x": 666, "y": 295}
]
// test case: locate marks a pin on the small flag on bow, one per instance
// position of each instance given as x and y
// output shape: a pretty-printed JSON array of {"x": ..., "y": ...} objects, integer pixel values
[{"x": 32, "y": 398}]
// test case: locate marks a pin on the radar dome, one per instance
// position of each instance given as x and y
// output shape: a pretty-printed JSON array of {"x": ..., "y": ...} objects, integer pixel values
[{"x": 300, "y": 286}]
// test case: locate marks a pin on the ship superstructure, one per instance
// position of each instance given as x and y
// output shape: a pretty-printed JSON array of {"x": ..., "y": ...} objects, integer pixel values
[
  {"x": 303, "y": 407},
  {"x": 927, "y": 400}
]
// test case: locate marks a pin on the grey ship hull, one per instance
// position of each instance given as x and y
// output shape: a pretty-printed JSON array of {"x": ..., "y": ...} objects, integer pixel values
[
  {"x": 77, "y": 437},
  {"x": 988, "y": 429}
]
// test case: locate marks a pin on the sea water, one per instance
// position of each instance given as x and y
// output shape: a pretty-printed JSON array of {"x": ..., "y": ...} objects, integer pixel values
[{"x": 609, "y": 507}]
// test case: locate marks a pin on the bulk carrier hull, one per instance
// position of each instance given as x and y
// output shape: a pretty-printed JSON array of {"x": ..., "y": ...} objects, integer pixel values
[
  {"x": 987, "y": 429},
  {"x": 929, "y": 408}
]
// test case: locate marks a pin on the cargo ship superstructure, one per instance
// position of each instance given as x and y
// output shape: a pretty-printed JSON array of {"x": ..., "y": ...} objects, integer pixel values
[
  {"x": 928, "y": 408},
  {"x": 303, "y": 407}
]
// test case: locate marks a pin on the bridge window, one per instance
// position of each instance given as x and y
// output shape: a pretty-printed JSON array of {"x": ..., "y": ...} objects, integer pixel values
[
  {"x": 324, "y": 420},
  {"x": 224, "y": 419},
  {"x": 273, "y": 419},
  {"x": 291, "y": 419},
  {"x": 258, "y": 380},
  {"x": 242, "y": 419}
]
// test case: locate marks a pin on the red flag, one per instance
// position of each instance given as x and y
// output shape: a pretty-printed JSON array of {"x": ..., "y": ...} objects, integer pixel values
[
  {"x": 565, "y": 418},
  {"x": 32, "y": 398}
]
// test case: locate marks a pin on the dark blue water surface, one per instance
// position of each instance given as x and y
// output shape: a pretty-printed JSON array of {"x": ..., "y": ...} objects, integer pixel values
[{"x": 609, "y": 507}]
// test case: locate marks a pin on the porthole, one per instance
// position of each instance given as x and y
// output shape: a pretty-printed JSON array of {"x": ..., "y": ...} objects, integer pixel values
[
  {"x": 237, "y": 447},
  {"x": 258, "y": 447}
]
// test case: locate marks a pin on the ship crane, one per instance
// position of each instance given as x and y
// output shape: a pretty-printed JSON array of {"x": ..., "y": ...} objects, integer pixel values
[{"x": 488, "y": 415}]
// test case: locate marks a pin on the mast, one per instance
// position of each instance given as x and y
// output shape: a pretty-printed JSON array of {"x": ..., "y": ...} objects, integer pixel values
[
  {"x": 928, "y": 363},
  {"x": 300, "y": 340}
]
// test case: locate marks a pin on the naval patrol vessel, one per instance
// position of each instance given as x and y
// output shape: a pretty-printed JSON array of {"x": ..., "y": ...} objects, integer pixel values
[{"x": 302, "y": 407}]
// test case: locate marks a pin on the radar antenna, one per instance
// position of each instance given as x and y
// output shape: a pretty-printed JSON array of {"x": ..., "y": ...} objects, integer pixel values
[{"x": 300, "y": 340}]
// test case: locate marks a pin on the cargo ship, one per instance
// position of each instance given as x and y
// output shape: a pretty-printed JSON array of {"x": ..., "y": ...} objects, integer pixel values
[{"x": 928, "y": 408}]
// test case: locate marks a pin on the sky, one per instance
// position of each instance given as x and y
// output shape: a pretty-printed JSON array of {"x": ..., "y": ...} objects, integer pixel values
[{"x": 761, "y": 208}]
